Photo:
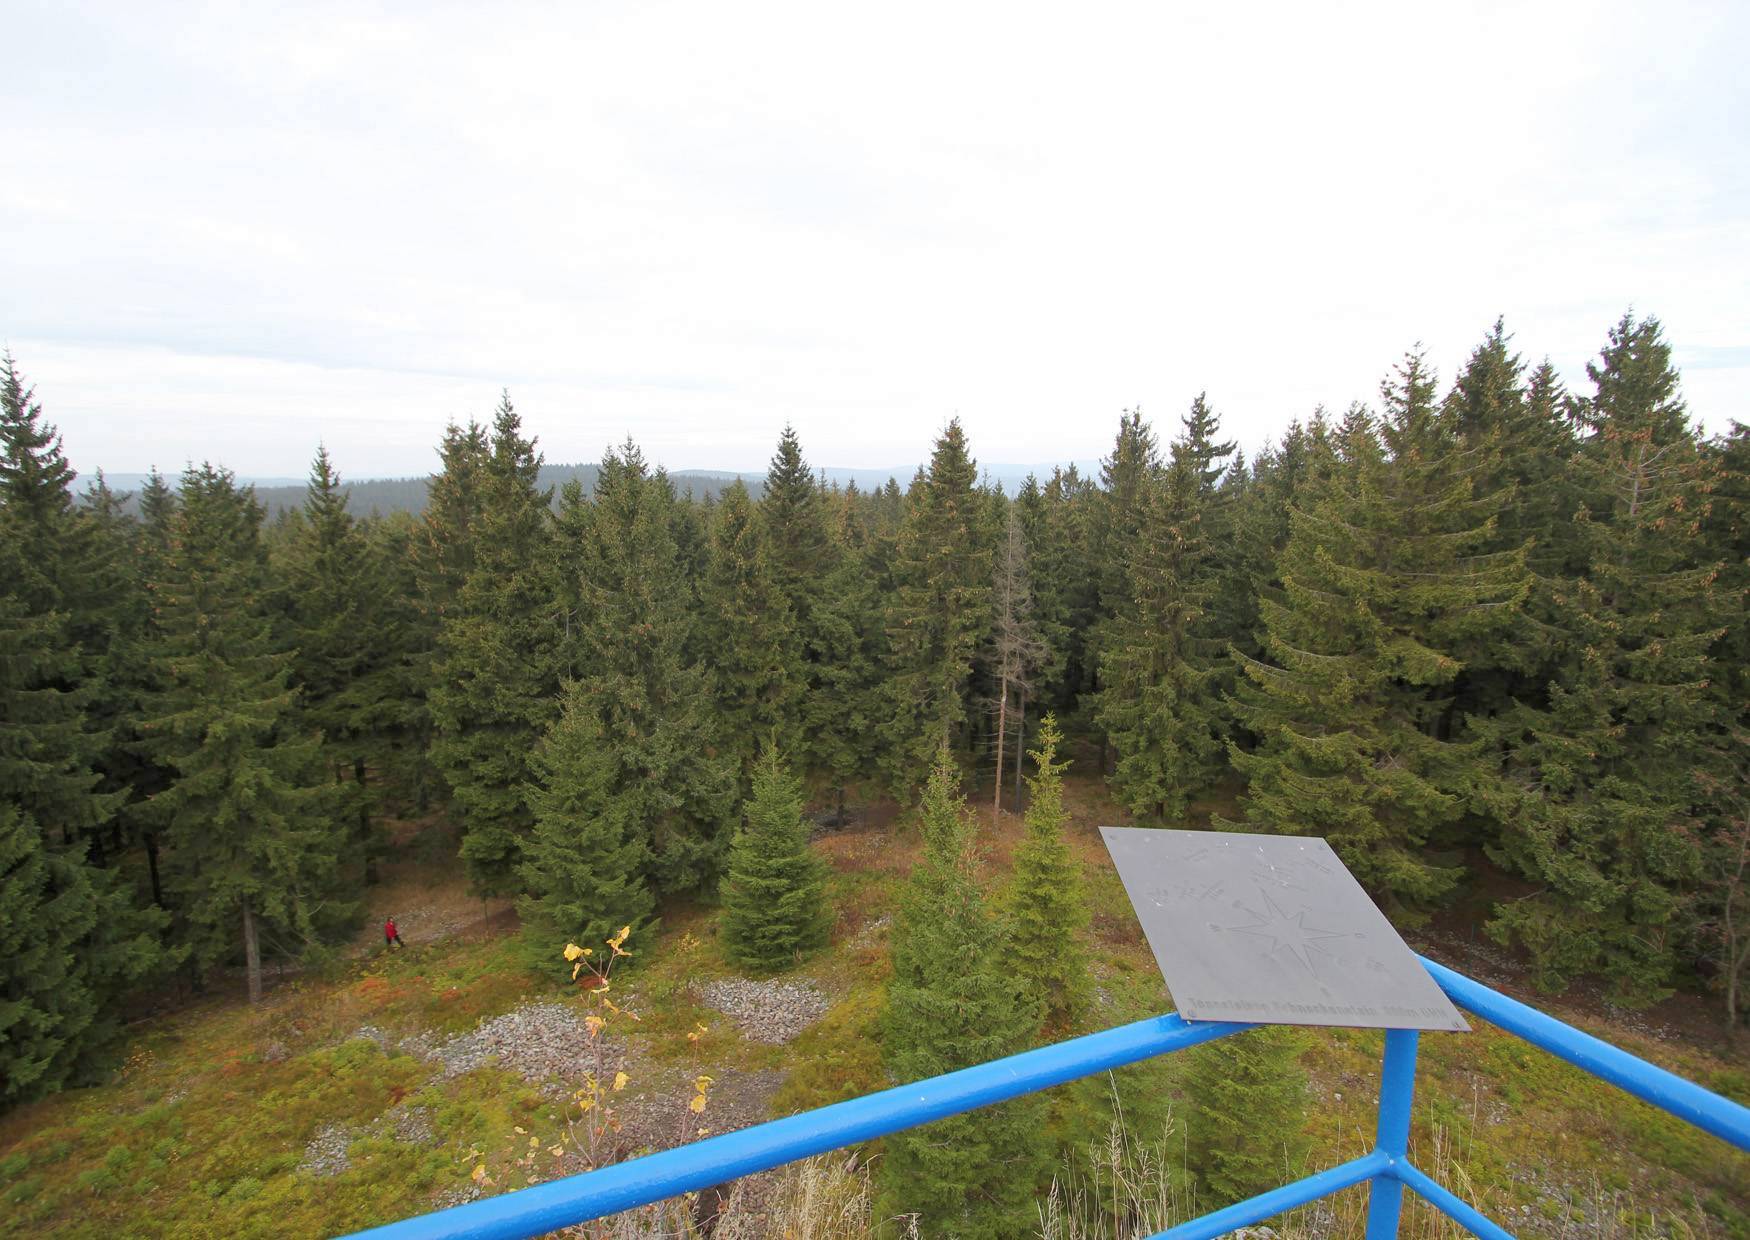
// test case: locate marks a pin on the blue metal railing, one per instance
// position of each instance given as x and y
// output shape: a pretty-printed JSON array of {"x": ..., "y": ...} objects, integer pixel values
[{"x": 717, "y": 1160}]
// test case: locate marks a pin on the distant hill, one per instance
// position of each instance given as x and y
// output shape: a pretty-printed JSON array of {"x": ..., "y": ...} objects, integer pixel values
[{"x": 386, "y": 495}]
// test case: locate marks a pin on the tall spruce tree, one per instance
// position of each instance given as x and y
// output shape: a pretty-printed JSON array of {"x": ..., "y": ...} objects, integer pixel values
[
  {"x": 846, "y": 703},
  {"x": 1016, "y": 649},
  {"x": 953, "y": 1002},
  {"x": 636, "y": 677},
  {"x": 939, "y": 615},
  {"x": 585, "y": 863},
  {"x": 795, "y": 520},
  {"x": 342, "y": 656},
  {"x": 1129, "y": 479},
  {"x": 753, "y": 639},
  {"x": 1058, "y": 526},
  {"x": 1600, "y": 798},
  {"x": 1381, "y": 578},
  {"x": 1162, "y": 670},
  {"x": 1044, "y": 907},
  {"x": 774, "y": 895},
  {"x": 495, "y": 683},
  {"x": 249, "y": 818},
  {"x": 47, "y": 744},
  {"x": 74, "y": 941},
  {"x": 1724, "y": 778}
]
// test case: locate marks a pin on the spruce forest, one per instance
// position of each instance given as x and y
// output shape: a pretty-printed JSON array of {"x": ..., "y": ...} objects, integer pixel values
[{"x": 1486, "y": 633}]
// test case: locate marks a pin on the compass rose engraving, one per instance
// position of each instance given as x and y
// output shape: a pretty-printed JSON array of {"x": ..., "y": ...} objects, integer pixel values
[{"x": 1287, "y": 933}]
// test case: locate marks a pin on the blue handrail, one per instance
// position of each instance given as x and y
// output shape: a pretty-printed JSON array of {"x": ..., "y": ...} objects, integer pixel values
[{"x": 717, "y": 1160}]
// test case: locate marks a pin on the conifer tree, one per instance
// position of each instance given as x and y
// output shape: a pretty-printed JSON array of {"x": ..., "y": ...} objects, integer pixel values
[
  {"x": 44, "y": 1010},
  {"x": 72, "y": 943},
  {"x": 394, "y": 708},
  {"x": 1045, "y": 907},
  {"x": 1516, "y": 443},
  {"x": 495, "y": 686},
  {"x": 753, "y": 639},
  {"x": 335, "y": 603},
  {"x": 1724, "y": 778},
  {"x": 651, "y": 700},
  {"x": 1017, "y": 649},
  {"x": 1381, "y": 579},
  {"x": 1128, "y": 480},
  {"x": 47, "y": 742},
  {"x": 939, "y": 614},
  {"x": 449, "y": 534},
  {"x": 1599, "y": 804},
  {"x": 1161, "y": 681},
  {"x": 1248, "y": 1113},
  {"x": 585, "y": 863},
  {"x": 249, "y": 816},
  {"x": 442, "y": 549},
  {"x": 846, "y": 703},
  {"x": 953, "y": 1003},
  {"x": 1058, "y": 527},
  {"x": 76, "y": 941},
  {"x": 795, "y": 522},
  {"x": 774, "y": 894},
  {"x": 116, "y": 617}
]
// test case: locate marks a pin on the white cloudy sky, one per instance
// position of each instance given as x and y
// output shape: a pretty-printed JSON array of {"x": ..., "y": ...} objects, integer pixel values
[{"x": 228, "y": 232}]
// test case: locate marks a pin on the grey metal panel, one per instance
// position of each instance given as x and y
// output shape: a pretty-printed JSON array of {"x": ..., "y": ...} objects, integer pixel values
[{"x": 1271, "y": 929}]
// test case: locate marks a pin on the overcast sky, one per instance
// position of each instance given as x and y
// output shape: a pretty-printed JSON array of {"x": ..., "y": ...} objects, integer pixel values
[{"x": 231, "y": 232}]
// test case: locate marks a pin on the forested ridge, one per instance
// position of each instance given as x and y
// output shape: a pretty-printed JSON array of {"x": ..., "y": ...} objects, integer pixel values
[{"x": 1492, "y": 624}]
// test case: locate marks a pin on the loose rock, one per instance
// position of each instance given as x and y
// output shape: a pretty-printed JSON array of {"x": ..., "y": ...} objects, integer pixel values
[
  {"x": 326, "y": 1152},
  {"x": 773, "y": 1012}
]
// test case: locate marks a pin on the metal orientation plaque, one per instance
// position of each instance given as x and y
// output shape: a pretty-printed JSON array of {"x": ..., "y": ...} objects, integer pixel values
[{"x": 1271, "y": 929}]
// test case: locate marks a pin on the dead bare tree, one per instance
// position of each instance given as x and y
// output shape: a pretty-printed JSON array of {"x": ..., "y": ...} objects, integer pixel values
[{"x": 1019, "y": 652}]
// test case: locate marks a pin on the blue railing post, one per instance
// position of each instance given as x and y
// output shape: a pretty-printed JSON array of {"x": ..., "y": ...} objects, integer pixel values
[{"x": 1397, "y": 1094}]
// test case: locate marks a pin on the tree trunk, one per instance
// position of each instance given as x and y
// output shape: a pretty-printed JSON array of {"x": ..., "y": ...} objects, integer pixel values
[
  {"x": 152, "y": 868},
  {"x": 839, "y": 815},
  {"x": 251, "y": 953},
  {"x": 358, "y": 774},
  {"x": 1020, "y": 746},
  {"x": 996, "y": 800}
]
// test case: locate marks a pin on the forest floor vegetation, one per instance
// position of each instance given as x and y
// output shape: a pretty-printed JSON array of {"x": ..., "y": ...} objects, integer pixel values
[{"x": 382, "y": 1084}]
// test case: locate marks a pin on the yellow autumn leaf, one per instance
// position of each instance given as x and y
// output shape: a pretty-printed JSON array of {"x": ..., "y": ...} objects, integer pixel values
[
  {"x": 558, "y": 1151},
  {"x": 703, "y": 1083},
  {"x": 594, "y": 1023},
  {"x": 573, "y": 951},
  {"x": 620, "y": 1079},
  {"x": 479, "y": 1173},
  {"x": 619, "y": 938},
  {"x": 534, "y": 1142},
  {"x": 521, "y": 1131},
  {"x": 697, "y": 1104}
]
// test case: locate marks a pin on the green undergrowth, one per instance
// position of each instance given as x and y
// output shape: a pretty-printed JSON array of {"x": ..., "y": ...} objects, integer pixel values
[{"x": 203, "y": 1131}]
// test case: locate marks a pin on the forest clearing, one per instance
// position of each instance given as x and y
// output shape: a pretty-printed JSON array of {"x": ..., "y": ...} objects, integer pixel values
[{"x": 353, "y": 1097}]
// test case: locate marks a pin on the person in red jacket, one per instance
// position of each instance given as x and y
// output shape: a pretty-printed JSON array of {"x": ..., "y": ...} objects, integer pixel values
[{"x": 391, "y": 936}]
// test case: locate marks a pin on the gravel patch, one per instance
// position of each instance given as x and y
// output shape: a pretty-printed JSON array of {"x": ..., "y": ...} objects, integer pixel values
[
  {"x": 410, "y": 1125},
  {"x": 326, "y": 1153},
  {"x": 773, "y": 1012},
  {"x": 536, "y": 1041}
]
